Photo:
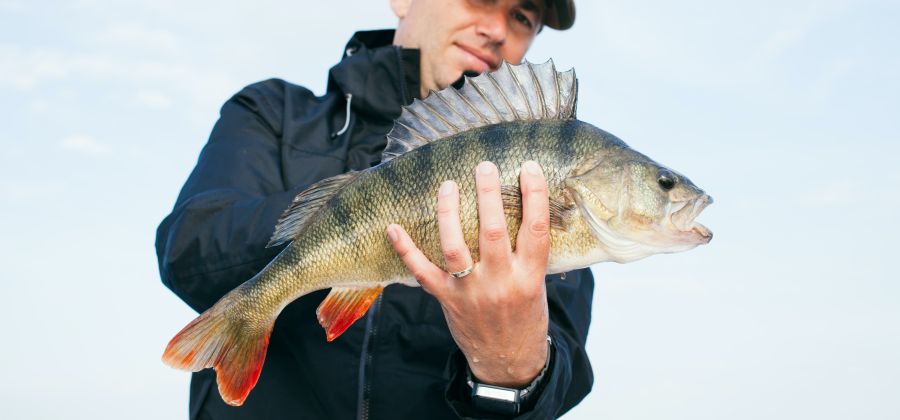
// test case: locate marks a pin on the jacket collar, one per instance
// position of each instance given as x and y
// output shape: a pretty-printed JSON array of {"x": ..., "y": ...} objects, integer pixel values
[{"x": 381, "y": 77}]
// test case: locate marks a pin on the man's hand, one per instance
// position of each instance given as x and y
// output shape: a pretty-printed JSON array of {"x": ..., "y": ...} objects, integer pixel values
[{"x": 497, "y": 314}]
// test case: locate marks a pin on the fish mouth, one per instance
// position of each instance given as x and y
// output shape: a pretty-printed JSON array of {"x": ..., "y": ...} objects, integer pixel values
[{"x": 682, "y": 216}]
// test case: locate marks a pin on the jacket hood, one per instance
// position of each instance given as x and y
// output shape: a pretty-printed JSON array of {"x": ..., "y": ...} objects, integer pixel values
[{"x": 369, "y": 71}]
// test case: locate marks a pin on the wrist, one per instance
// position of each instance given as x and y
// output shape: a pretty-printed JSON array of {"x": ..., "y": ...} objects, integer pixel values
[
  {"x": 509, "y": 400},
  {"x": 510, "y": 372}
]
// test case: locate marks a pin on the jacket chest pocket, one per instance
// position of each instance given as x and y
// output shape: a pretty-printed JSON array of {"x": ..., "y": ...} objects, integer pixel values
[{"x": 302, "y": 168}]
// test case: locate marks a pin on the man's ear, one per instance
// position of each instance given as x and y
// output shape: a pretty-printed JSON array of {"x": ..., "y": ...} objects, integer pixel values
[{"x": 400, "y": 7}]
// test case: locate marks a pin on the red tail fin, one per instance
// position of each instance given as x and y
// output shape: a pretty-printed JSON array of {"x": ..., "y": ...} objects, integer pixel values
[{"x": 235, "y": 348}]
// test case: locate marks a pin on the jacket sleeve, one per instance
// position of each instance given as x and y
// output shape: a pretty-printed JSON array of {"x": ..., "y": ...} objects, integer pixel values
[
  {"x": 569, "y": 376},
  {"x": 215, "y": 237}
]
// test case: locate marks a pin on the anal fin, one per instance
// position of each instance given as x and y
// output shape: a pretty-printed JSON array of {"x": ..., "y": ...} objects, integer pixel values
[{"x": 343, "y": 306}]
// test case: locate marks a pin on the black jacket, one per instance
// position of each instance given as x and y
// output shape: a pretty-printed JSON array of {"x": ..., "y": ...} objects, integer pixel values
[{"x": 274, "y": 139}]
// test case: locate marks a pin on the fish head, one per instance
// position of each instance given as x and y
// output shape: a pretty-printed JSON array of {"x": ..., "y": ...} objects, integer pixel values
[{"x": 637, "y": 207}]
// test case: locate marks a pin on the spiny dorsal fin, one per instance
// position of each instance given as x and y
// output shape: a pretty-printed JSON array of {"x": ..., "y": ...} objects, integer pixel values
[
  {"x": 305, "y": 204},
  {"x": 512, "y": 93}
]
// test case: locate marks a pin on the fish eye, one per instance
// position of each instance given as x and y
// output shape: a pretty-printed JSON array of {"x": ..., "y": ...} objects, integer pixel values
[{"x": 666, "y": 180}]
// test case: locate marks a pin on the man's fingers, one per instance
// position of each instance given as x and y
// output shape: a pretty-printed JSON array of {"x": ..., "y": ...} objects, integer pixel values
[
  {"x": 430, "y": 276},
  {"x": 533, "y": 242},
  {"x": 493, "y": 238},
  {"x": 453, "y": 244}
]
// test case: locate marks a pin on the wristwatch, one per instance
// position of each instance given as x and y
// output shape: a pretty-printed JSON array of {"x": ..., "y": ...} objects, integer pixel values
[{"x": 500, "y": 400}]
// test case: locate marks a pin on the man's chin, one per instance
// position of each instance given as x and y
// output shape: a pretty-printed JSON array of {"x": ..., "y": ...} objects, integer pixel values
[{"x": 458, "y": 84}]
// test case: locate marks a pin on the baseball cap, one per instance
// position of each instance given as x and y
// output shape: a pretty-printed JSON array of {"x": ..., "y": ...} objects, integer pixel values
[{"x": 559, "y": 14}]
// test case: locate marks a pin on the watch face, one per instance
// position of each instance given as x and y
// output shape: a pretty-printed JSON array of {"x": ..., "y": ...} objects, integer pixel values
[
  {"x": 495, "y": 399},
  {"x": 497, "y": 393}
]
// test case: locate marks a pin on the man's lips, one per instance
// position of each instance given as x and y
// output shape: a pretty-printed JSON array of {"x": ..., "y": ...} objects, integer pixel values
[{"x": 489, "y": 60}]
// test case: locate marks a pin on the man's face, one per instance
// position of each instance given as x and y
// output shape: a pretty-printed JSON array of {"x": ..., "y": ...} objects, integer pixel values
[{"x": 455, "y": 36}]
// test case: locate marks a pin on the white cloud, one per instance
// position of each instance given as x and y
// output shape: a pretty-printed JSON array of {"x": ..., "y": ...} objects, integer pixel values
[
  {"x": 152, "y": 99},
  {"x": 137, "y": 36},
  {"x": 83, "y": 144},
  {"x": 199, "y": 87},
  {"x": 23, "y": 70},
  {"x": 12, "y": 5},
  {"x": 28, "y": 193}
]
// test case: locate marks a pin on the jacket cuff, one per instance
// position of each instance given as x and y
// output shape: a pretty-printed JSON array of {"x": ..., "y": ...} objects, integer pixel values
[{"x": 544, "y": 403}]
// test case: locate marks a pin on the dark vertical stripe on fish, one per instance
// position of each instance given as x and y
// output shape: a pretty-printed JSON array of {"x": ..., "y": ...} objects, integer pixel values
[
  {"x": 566, "y": 139},
  {"x": 341, "y": 212},
  {"x": 532, "y": 139}
]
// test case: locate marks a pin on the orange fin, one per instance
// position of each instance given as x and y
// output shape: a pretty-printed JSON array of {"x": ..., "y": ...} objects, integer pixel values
[
  {"x": 235, "y": 348},
  {"x": 343, "y": 306}
]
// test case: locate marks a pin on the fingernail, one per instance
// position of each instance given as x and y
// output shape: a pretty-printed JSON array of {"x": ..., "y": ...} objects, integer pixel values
[
  {"x": 485, "y": 168},
  {"x": 532, "y": 167},
  {"x": 392, "y": 233},
  {"x": 446, "y": 188}
]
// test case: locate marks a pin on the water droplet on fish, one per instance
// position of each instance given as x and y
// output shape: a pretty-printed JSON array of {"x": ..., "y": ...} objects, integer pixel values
[{"x": 475, "y": 360}]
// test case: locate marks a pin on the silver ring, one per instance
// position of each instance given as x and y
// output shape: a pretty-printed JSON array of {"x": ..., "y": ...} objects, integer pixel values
[{"x": 461, "y": 274}]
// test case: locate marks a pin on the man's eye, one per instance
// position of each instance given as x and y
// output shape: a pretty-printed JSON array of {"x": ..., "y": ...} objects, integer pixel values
[{"x": 523, "y": 19}]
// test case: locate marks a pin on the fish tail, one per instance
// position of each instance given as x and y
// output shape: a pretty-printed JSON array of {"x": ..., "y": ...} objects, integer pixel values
[{"x": 221, "y": 338}]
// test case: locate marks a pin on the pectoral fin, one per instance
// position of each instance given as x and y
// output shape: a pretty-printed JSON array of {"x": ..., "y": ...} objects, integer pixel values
[
  {"x": 343, "y": 306},
  {"x": 512, "y": 205}
]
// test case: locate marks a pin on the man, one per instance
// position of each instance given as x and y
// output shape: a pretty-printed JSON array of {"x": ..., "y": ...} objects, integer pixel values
[{"x": 417, "y": 353}]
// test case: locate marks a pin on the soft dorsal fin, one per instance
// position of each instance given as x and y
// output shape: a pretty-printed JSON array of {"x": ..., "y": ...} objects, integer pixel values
[
  {"x": 305, "y": 204},
  {"x": 511, "y": 93}
]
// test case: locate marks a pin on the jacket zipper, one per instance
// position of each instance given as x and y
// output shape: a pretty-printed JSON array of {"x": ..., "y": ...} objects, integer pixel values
[
  {"x": 364, "y": 391},
  {"x": 365, "y": 357}
]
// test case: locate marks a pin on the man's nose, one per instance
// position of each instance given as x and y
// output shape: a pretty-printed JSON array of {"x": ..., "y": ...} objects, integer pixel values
[{"x": 492, "y": 25}]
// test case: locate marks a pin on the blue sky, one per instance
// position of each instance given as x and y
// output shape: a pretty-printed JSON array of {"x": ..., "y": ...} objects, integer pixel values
[{"x": 784, "y": 111}]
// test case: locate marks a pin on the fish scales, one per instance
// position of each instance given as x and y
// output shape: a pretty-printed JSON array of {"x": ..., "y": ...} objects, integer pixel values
[
  {"x": 608, "y": 203},
  {"x": 348, "y": 246}
]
